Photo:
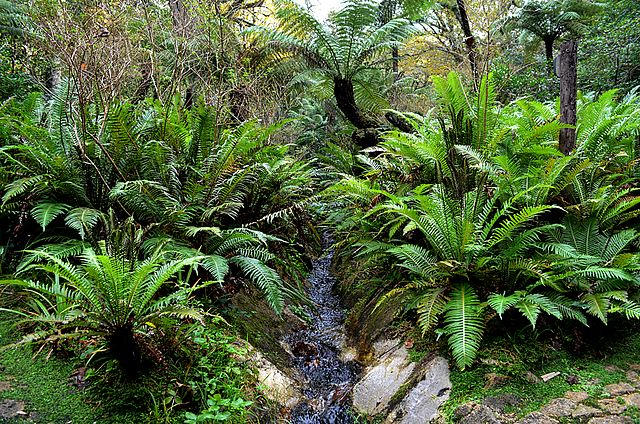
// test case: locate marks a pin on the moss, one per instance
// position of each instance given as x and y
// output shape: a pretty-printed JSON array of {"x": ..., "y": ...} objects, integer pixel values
[
  {"x": 515, "y": 357},
  {"x": 261, "y": 327}
]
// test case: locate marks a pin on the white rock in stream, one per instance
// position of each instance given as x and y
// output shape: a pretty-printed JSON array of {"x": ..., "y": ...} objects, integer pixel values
[
  {"x": 391, "y": 374},
  {"x": 277, "y": 386},
  {"x": 421, "y": 404}
]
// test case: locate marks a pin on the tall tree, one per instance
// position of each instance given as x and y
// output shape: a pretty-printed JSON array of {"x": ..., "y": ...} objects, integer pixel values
[
  {"x": 469, "y": 39},
  {"x": 549, "y": 20},
  {"x": 351, "y": 44},
  {"x": 568, "y": 72}
]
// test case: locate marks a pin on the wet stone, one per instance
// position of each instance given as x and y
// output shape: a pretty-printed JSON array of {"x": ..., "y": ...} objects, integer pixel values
[
  {"x": 619, "y": 389},
  {"x": 537, "y": 418},
  {"x": 500, "y": 402},
  {"x": 559, "y": 408},
  {"x": 584, "y": 412},
  {"x": 632, "y": 400},
  {"x": 577, "y": 396},
  {"x": 421, "y": 404},
  {"x": 610, "y": 420},
  {"x": 612, "y": 406},
  {"x": 463, "y": 410},
  {"x": 480, "y": 414},
  {"x": 11, "y": 409}
]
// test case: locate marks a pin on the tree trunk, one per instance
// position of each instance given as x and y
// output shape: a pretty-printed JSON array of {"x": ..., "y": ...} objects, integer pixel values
[
  {"x": 548, "y": 53},
  {"x": 469, "y": 39},
  {"x": 366, "y": 134},
  {"x": 568, "y": 94},
  {"x": 345, "y": 98},
  {"x": 395, "y": 58}
]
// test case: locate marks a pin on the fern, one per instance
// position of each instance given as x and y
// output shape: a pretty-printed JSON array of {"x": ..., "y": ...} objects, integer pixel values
[
  {"x": 45, "y": 212},
  {"x": 464, "y": 324},
  {"x": 265, "y": 278}
]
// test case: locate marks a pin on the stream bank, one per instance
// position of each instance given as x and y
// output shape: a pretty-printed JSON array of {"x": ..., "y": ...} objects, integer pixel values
[{"x": 324, "y": 380}]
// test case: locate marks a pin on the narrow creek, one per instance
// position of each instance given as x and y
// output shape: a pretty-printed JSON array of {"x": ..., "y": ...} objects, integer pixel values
[{"x": 316, "y": 352}]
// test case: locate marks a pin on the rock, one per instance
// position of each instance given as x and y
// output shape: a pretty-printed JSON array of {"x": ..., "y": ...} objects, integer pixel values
[
  {"x": 304, "y": 349},
  {"x": 577, "y": 396},
  {"x": 612, "y": 406},
  {"x": 611, "y": 368},
  {"x": 421, "y": 403},
  {"x": 463, "y": 410},
  {"x": 611, "y": 420},
  {"x": 560, "y": 407},
  {"x": 11, "y": 409},
  {"x": 371, "y": 395},
  {"x": 500, "y": 402},
  {"x": 619, "y": 389},
  {"x": 480, "y": 414},
  {"x": 549, "y": 376},
  {"x": 276, "y": 385},
  {"x": 634, "y": 367},
  {"x": 348, "y": 354},
  {"x": 537, "y": 418},
  {"x": 633, "y": 377},
  {"x": 632, "y": 400},
  {"x": 572, "y": 379},
  {"x": 532, "y": 378},
  {"x": 584, "y": 412},
  {"x": 493, "y": 380},
  {"x": 4, "y": 386}
]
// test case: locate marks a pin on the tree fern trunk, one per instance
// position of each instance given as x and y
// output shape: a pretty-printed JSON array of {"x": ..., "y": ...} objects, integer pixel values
[
  {"x": 469, "y": 39},
  {"x": 548, "y": 53},
  {"x": 125, "y": 350},
  {"x": 345, "y": 98},
  {"x": 568, "y": 94},
  {"x": 367, "y": 135}
]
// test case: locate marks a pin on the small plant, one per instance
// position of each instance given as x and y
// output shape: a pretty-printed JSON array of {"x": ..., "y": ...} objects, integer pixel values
[{"x": 218, "y": 377}]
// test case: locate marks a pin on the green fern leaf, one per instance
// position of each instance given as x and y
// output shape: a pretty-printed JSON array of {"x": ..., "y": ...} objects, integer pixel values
[
  {"x": 45, "y": 212},
  {"x": 501, "y": 303},
  {"x": 464, "y": 324},
  {"x": 83, "y": 220}
]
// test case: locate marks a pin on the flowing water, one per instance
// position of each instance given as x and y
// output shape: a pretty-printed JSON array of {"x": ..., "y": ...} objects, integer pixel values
[{"x": 316, "y": 353}]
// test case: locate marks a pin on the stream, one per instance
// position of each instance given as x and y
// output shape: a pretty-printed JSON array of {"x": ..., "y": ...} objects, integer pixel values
[{"x": 316, "y": 352}]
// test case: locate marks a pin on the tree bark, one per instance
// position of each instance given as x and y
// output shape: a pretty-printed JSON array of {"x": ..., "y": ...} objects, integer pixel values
[
  {"x": 568, "y": 94},
  {"x": 345, "y": 98},
  {"x": 548, "y": 53},
  {"x": 469, "y": 39},
  {"x": 395, "y": 58}
]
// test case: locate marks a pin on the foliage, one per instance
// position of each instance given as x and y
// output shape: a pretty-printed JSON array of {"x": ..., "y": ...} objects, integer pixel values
[
  {"x": 111, "y": 299},
  {"x": 469, "y": 207},
  {"x": 549, "y": 20},
  {"x": 344, "y": 52},
  {"x": 218, "y": 378}
]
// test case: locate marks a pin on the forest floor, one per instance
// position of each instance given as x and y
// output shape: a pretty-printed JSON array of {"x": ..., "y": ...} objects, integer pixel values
[
  {"x": 526, "y": 380},
  {"x": 596, "y": 384}
]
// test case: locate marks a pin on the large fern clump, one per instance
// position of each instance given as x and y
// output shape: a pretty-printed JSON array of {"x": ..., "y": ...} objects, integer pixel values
[
  {"x": 116, "y": 302},
  {"x": 180, "y": 177},
  {"x": 483, "y": 216}
]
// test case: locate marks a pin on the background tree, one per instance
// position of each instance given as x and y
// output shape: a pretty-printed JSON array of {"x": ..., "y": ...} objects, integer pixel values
[
  {"x": 549, "y": 20},
  {"x": 342, "y": 51}
]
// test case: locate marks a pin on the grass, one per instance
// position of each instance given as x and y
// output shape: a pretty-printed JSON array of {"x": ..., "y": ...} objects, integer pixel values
[{"x": 43, "y": 384}]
